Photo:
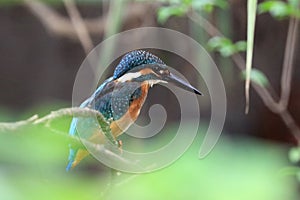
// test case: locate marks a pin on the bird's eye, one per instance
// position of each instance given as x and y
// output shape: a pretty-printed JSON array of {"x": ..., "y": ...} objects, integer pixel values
[{"x": 164, "y": 72}]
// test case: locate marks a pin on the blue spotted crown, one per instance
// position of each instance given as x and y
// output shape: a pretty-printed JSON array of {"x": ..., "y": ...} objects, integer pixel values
[{"x": 134, "y": 59}]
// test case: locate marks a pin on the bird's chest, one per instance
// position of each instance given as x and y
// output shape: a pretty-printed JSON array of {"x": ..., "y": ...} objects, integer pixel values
[{"x": 127, "y": 109}]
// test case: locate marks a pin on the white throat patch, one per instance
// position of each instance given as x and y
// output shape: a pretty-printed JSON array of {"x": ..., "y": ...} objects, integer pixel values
[{"x": 129, "y": 76}]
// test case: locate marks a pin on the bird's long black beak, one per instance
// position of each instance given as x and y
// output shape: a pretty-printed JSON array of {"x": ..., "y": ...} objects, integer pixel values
[{"x": 171, "y": 78}]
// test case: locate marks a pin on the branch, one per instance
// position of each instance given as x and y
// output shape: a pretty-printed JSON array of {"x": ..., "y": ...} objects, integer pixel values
[
  {"x": 67, "y": 112},
  {"x": 237, "y": 58},
  {"x": 287, "y": 70},
  {"x": 279, "y": 108},
  {"x": 54, "y": 115},
  {"x": 62, "y": 26},
  {"x": 4, "y": 127}
]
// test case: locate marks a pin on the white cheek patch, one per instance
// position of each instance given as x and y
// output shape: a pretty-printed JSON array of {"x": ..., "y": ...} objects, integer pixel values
[
  {"x": 153, "y": 82},
  {"x": 129, "y": 77}
]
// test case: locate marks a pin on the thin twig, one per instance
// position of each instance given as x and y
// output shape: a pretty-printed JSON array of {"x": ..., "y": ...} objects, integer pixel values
[
  {"x": 287, "y": 70},
  {"x": 79, "y": 26},
  {"x": 291, "y": 124},
  {"x": 7, "y": 126}
]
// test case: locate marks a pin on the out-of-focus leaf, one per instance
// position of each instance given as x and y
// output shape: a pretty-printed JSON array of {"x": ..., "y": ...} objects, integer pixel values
[
  {"x": 241, "y": 45},
  {"x": 181, "y": 7},
  {"x": 208, "y": 5},
  {"x": 294, "y": 155},
  {"x": 215, "y": 43},
  {"x": 265, "y": 6},
  {"x": 257, "y": 77},
  {"x": 295, "y": 7},
  {"x": 225, "y": 46},
  {"x": 208, "y": 8},
  {"x": 227, "y": 50},
  {"x": 164, "y": 13},
  {"x": 221, "y": 3},
  {"x": 289, "y": 171},
  {"x": 294, "y": 3},
  {"x": 280, "y": 9}
]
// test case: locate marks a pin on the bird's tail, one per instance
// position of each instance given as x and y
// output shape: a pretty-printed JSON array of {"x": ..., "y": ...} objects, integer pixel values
[{"x": 75, "y": 157}]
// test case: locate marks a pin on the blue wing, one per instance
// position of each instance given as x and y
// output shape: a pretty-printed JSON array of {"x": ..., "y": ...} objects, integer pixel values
[{"x": 86, "y": 122}]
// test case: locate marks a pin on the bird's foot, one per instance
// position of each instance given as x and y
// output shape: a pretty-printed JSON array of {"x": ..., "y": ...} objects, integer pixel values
[{"x": 120, "y": 144}]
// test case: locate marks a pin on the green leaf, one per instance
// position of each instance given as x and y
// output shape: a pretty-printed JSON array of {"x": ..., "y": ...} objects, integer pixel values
[
  {"x": 221, "y": 4},
  {"x": 208, "y": 8},
  {"x": 265, "y": 6},
  {"x": 279, "y": 9},
  {"x": 215, "y": 42},
  {"x": 208, "y": 5},
  {"x": 227, "y": 51},
  {"x": 241, "y": 45},
  {"x": 164, "y": 13},
  {"x": 294, "y": 3},
  {"x": 218, "y": 42},
  {"x": 294, "y": 155},
  {"x": 257, "y": 77},
  {"x": 200, "y": 4},
  {"x": 225, "y": 46},
  {"x": 289, "y": 171}
]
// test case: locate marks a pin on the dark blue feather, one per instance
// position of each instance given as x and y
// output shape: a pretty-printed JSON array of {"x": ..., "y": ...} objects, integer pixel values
[{"x": 134, "y": 59}]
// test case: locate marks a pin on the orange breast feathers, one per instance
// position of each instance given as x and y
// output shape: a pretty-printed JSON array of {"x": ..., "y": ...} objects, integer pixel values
[{"x": 121, "y": 125}]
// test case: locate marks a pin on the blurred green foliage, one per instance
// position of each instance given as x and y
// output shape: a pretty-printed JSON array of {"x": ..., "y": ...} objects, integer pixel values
[
  {"x": 225, "y": 46},
  {"x": 234, "y": 170},
  {"x": 164, "y": 13},
  {"x": 280, "y": 9},
  {"x": 257, "y": 77},
  {"x": 294, "y": 155},
  {"x": 33, "y": 160},
  {"x": 181, "y": 7}
]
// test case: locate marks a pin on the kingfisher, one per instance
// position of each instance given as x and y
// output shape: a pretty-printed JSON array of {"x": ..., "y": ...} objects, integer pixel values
[{"x": 120, "y": 98}]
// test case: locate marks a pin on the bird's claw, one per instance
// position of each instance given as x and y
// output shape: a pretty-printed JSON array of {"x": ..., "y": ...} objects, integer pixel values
[{"x": 120, "y": 144}]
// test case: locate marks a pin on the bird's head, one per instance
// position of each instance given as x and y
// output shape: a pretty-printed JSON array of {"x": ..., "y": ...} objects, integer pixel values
[{"x": 144, "y": 67}]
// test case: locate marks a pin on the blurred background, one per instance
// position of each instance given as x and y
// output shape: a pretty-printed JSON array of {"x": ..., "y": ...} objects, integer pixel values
[{"x": 42, "y": 45}]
